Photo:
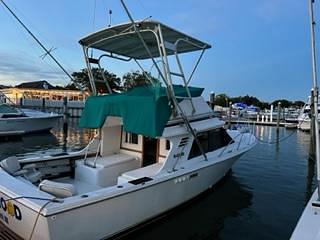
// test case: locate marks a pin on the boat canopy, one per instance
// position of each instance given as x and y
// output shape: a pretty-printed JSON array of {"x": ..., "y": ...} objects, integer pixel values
[
  {"x": 144, "y": 110},
  {"x": 123, "y": 40}
]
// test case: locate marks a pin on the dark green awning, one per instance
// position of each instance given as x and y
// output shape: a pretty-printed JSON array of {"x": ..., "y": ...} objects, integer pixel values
[{"x": 144, "y": 110}]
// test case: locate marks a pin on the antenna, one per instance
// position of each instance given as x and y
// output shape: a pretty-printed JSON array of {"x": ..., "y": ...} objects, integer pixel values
[
  {"x": 48, "y": 52},
  {"x": 110, "y": 14}
]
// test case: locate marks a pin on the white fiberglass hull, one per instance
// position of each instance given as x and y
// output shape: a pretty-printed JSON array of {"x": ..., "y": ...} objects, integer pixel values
[
  {"x": 104, "y": 218},
  {"x": 308, "y": 226},
  {"x": 33, "y": 122}
]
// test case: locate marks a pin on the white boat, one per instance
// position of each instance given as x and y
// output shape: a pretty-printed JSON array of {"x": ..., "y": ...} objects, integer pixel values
[
  {"x": 157, "y": 147},
  {"x": 15, "y": 121},
  {"x": 304, "y": 120}
]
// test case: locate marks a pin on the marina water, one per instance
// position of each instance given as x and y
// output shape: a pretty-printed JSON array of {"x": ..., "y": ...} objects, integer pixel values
[{"x": 261, "y": 198}]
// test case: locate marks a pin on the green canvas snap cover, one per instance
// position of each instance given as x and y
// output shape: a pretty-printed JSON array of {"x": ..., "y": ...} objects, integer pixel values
[{"x": 144, "y": 110}]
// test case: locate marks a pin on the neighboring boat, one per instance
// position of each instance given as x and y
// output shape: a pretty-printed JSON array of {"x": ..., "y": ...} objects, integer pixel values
[
  {"x": 304, "y": 120},
  {"x": 16, "y": 121},
  {"x": 292, "y": 115},
  {"x": 158, "y": 147}
]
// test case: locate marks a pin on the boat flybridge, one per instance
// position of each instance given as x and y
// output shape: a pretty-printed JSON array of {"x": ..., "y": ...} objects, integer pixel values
[{"x": 158, "y": 146}]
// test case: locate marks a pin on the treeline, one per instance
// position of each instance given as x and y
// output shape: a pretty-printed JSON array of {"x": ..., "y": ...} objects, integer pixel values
[
  {"x": 224, "y": 100},
  {"x": 135, "y": 78},
  {"x": 129, "y": 80}
]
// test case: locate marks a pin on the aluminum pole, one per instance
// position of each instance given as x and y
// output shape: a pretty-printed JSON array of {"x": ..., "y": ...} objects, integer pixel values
[{"x": 315, "y": 92}]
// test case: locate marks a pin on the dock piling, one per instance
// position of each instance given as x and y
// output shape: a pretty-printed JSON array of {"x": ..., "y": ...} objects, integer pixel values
[
  {"x": 230, "y": 112},
  {"x": 211, "y": 100},
  {"x": 65, "y": 115},
  {"x": 278, "y": 117}
]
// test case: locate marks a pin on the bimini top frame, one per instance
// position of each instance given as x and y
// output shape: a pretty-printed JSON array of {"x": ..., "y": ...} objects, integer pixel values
[
  {"x": 123, "y": 40},
  {"x": 140, "y": 40},
  {"x": 147, "y": 39}
]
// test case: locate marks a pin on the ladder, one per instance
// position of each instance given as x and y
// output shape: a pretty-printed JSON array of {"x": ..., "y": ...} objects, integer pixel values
[
  {"x": 93, "y": 80},
  {"x": 173, "y": 47}
]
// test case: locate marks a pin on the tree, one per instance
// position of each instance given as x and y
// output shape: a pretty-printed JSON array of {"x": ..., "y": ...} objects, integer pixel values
[
  {"x": 221, "y": 100},
  {"x": 71, "y": 86},
  {"x": 81, "y": 80},
  {"x": 298, "y": 104},
  {"x": 284, "y": 103},
  {"x": 136, "y": 78}
]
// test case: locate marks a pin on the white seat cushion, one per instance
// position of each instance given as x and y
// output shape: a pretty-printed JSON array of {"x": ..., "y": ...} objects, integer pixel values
[{"x": 60, "y": 190}]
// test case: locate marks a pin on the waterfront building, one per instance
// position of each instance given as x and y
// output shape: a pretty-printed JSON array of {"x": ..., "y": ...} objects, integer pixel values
[{"x": 42, "y": 90}]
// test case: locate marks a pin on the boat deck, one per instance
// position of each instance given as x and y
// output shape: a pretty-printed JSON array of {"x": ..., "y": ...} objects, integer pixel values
[{"x": 7, "y": 234}]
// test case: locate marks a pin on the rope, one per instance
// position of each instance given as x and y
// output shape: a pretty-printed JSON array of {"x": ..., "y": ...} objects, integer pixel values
[
  {"x": 48, "y": 200},
  {"x": 38, "y": 215},
  {"x": 280, "y": 139}
]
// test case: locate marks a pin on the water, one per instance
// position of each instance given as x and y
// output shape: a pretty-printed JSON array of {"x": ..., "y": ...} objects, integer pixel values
[{"x": 261, "y": 198}]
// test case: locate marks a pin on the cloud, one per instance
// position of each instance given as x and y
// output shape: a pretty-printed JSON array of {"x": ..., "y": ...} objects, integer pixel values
[{"x": 15, "y": 69}]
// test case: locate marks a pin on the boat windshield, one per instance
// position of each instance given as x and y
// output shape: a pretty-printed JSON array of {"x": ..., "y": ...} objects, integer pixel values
[{"x": 4, "y": 108}]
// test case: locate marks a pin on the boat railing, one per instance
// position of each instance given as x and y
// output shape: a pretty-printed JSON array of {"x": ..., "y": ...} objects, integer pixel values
[
  {"x": 241, "y": 135},
  {"x": 93, "y": 147}
]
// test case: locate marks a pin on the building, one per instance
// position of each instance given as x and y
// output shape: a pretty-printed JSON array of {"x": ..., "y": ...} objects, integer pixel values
[{"x": 42, "y": 90}]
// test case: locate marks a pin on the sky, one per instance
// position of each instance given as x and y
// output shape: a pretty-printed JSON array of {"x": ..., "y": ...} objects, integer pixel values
[{"x": 259, "y": 47}]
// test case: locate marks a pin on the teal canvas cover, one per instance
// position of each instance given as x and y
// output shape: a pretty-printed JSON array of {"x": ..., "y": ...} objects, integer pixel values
[{"x": 144, "y": 110}]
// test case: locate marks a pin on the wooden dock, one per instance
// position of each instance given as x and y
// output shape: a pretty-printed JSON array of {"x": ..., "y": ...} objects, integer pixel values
[{"x": 273, "y": 124}]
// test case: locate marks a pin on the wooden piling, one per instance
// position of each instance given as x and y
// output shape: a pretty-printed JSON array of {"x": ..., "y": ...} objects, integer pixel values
[
  {"x": 278, "y": 116},
  {"x": 65, "y": 115},
  {"x": 211, "y": 100},
  {"x": 230, "y": 112}
]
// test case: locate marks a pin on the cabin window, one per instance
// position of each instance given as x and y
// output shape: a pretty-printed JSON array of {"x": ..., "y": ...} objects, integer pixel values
[
  {"x": 210, "y": 141},
  {"x": 167, "y": 145},
  {"x": 131, "y": 138}
]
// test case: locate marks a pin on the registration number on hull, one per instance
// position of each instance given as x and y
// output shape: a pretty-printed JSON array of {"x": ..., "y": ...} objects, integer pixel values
[{"x": 9, "y": 210}]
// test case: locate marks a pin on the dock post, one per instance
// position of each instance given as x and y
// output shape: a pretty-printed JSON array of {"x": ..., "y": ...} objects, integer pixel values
[
  {"x": 65, "y": 117},
  {"x": 211, "y": 100},
  {"x": 271, "y": 114},
  {"x": 43, "y": 105},
  {"x": 230, "y": 111},
  {"x": 278, "y": 117}
]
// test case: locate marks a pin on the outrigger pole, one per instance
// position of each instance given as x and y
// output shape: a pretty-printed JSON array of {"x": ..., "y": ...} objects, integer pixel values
[
  {"x": 315, "y": 92},
  {"x": 168, "y": 82},
  {"x": 48, "y": 52}
]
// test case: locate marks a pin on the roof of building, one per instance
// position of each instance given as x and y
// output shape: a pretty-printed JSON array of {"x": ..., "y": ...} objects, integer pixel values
[{"x": 36, "y": 85}]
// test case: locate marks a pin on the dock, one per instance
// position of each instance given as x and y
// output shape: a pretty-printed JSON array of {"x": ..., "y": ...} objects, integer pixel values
[{"x": 273, "y": 124}]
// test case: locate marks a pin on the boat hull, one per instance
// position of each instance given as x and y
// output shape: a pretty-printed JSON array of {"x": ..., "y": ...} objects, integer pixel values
[
  {"x": 308, "y": 225},
  {"x": 24, "y": 125},
  {"x": 113, "y": 215}
]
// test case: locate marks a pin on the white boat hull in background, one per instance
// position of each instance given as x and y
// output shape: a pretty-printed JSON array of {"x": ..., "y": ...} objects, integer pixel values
[{"x": 34, "y": 121}]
